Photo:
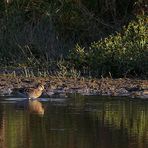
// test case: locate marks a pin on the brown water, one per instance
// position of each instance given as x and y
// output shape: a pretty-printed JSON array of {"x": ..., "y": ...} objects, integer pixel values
[{"x": 79, "y": 122}]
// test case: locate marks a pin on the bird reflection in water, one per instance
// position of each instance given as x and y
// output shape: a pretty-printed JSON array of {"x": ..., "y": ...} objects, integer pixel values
[{"x": 33, "y": 106}]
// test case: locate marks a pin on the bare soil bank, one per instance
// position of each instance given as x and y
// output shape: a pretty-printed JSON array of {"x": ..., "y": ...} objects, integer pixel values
[{"x": 60, "y": 86}]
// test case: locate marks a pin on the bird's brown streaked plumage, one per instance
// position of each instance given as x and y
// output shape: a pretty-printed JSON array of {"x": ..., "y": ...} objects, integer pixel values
[{"x": 31, "y": 93}]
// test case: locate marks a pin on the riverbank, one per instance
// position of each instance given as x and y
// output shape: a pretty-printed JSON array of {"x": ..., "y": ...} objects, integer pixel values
[{"x": 61, "y": 86}]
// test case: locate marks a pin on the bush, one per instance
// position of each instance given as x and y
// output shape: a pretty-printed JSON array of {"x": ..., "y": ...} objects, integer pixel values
[
  {"x": 38, "y": 33},
  {"x": 118, "y": 54}
]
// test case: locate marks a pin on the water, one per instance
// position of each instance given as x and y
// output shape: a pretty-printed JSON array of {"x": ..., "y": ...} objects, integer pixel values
[{"x": 78, "y": 122}]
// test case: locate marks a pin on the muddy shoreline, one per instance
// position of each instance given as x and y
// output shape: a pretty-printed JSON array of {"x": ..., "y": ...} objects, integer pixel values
[{"x": 60, "y": 86}]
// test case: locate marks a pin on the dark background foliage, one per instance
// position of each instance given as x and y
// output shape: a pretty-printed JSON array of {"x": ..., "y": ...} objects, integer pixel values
[{"x": 83, "y": 33}]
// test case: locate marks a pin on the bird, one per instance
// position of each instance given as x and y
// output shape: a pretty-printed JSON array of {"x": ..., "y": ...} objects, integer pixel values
[{"x": 31, "y": 92}]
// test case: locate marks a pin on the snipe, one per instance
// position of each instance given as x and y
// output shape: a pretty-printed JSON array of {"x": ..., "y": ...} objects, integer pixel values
[{"x": 31, "y": 92}]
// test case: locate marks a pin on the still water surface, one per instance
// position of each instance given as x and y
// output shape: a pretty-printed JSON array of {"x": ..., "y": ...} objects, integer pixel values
[{"x": 78, "y": 122}]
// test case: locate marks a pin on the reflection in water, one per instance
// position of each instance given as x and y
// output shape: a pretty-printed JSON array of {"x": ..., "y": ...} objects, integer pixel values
[
  {"x": 91, "y": 123},
  {"x": 1, "y": 127},
  {"x": 35, "y": 107}
]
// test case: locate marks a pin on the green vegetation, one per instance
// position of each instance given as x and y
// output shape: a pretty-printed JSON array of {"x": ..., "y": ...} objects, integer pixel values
[
  {"x": 122, "y": 53},
  {"x": 74, "y": 37}
]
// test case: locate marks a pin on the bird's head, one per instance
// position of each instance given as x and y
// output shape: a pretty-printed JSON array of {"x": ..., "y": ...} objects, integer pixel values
[{"x": 40, "y": 86}]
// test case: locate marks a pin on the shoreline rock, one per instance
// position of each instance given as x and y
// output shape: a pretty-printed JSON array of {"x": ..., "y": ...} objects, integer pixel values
[{"x": 59, "y": 87}]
